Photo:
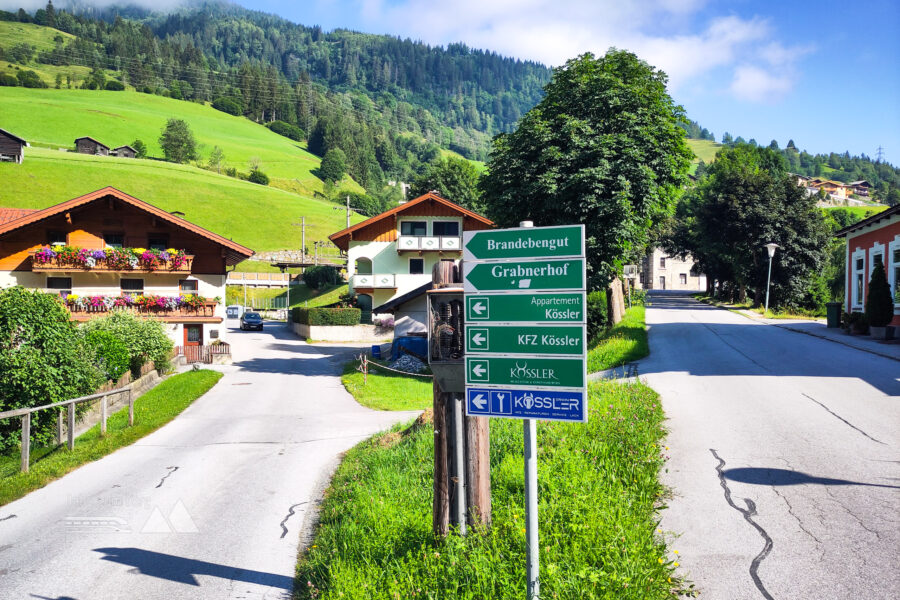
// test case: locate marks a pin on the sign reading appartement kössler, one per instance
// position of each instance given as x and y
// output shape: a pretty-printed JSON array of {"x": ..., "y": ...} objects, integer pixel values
[{"x": 525, "y": 323}]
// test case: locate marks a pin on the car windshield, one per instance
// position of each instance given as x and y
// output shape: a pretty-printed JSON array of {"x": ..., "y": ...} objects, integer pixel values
[{"x": 252, "y": 316}]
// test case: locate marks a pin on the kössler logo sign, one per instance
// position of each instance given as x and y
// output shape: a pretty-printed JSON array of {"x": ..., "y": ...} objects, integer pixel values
[
  {"x": 528, "y": 242},
  {"x": 554, "y": 405},
  {"x": 525, "y": 371}
]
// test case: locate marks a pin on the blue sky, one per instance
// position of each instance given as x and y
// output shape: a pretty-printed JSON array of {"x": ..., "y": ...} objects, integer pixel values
[{"x": 823, "y": 73}]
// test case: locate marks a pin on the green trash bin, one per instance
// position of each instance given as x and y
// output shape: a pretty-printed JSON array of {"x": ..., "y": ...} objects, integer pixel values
[{"x": 833, "y": 313}]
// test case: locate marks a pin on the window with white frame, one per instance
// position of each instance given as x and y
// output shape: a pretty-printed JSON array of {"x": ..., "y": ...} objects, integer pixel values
[
  {"x": 894, "y": 273},
  {"x": 417, "y": 228},
  {"x": 416, "y": 266},
  {"x": 445, "y": 228},
  {"x": 858, "y": 280},
  {"x": 682, "y": 278}
]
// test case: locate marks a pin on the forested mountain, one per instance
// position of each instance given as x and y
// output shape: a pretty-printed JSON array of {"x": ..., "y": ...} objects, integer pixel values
[{"x": 387, "y": 102}]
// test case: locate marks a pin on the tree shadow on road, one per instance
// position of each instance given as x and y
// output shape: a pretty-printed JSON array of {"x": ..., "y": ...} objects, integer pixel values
[
  {"x": 184, "y": 570},
  {"x": 779, "y": 477}
]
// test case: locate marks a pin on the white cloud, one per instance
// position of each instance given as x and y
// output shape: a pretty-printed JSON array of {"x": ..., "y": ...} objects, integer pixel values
[
  {"x": 676, "y": 36},
  {"x": 759, "y": 85}
]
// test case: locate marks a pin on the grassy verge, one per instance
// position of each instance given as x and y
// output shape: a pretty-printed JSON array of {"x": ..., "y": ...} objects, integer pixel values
[
  {"x": 301, "y": 295},
  {"x": 624, "y": 342},
  {"x": 151, "y": 411},
  {"x": 387, "y": 391},
  {"x": 771, "y": 314},
  {"x": 599, "y": 496}
]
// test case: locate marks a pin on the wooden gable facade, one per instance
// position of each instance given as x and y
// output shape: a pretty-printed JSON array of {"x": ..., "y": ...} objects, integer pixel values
[
  {"x": 88, "y": 145},
  {"x": 12, "y": 147}
]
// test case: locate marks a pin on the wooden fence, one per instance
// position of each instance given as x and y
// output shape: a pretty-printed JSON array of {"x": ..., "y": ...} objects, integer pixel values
[
  {"x": 25, "y": 414},
  {"x": 203, "y": 354}
]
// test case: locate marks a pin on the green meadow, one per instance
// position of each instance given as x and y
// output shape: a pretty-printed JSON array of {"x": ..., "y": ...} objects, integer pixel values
[{"x": 258, "y": 217}]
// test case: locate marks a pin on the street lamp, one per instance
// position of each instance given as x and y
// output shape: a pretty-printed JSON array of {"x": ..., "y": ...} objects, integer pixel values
[{"x": 771, "y": 249}]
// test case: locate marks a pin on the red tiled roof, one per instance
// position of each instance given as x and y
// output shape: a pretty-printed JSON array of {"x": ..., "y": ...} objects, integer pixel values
[{"x": 11, "y": 214}]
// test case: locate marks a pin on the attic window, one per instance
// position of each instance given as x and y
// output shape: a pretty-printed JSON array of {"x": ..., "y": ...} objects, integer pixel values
[
  {"x": 157, "y": 242},
  {"x": 114, "y": 240},
  {"x": 56, "y": 238},
  {"x": 414, "y": 228},
  {"x": 445, "y": 228}
]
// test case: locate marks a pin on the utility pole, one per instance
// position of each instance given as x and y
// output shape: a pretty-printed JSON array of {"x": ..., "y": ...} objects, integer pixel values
[
  {"x": 302, "y": 226},
  {"x": 879, "y": 155}
]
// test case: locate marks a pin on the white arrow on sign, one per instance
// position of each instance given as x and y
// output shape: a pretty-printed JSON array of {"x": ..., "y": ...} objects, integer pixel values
[
  {"x": 479, "y": 401},
  {"x": 478, "y": 308},
  {"x": 478, "y": 339},
  {"x": 478, "y": 370}
]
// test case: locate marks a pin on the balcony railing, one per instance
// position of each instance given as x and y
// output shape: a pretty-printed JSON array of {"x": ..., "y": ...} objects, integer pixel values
[
  {"x": 377, "y": 281},
  {"x": 420, "y": 243},
  {"x": 90, "y": 307},
  {"x": 108, "y": 260}
]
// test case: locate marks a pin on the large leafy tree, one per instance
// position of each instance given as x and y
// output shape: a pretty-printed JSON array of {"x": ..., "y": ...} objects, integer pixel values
[
  {"x": 747, "y": 200},
  {"x": 177, "y": 141},
  {"x": 455, "y": 179},
  {"x": 602, "y": 148}
]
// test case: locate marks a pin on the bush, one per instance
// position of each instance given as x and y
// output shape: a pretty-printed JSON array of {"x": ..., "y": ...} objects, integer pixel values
[
  {"x": 140, "y": 149},
  {"x": 145, "y": 339},
  {"x": 638, "y": 297},
  {"x": 333, "y": 166},
  {"x": 287, "y": 130},
  {"x": 228, "y": 105},
  {"x": 114, "y": 86},
  {"x": 177, "y": 141},
  {"x": 326, "y": 316},
  {"x": 111, "y": 353},
  {"x": 41, "y": 361},
  {"x": 8, "y": 80},
  {"x": 879, "y": 303},
  {"x": 257, "y": 176},
  {"x": 320, "y": 276},
  {"x": 597, "y": 317},
  {"x": 30, "y": 79}
]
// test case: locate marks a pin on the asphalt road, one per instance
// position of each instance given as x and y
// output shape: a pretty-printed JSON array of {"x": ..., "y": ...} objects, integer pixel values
[
  {"x": 210, "y": 506},
  {"x": 784, "y": 457}
]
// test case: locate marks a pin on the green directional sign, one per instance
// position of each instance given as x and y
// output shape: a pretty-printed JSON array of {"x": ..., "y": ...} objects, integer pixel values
[
  {"x": 562, "y": 307},
  {"x": 525, "y": 242},
  {"x": 525, "y": 371},
  {"x": 524, "y": 275},
  {"x": 519, "y": 339}
]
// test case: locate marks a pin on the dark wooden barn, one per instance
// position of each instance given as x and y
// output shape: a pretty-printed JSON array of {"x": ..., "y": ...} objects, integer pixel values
[
  {"x": 88, "y": 145},
  {"x": 125, "y": 152},
  {"x": 12, "y": 147}
]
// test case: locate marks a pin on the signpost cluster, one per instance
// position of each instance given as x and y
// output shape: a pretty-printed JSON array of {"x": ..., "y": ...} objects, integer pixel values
[{"x": 526, "y": 338}]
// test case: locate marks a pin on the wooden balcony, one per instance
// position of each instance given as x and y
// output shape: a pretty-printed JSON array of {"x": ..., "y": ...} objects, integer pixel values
[
  {"x": 420, "y": 244},
  {"x": 204, "y": 313},
  {"x": 61, "y": 265}
]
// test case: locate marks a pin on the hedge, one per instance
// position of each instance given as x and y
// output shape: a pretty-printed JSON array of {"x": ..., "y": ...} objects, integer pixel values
[{"x": 326, "y": 316}]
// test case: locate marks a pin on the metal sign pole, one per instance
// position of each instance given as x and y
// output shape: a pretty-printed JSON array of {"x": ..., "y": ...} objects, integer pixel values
[
  {"x": 532, "y": 567},
  {"x": 529, "y": 428}
]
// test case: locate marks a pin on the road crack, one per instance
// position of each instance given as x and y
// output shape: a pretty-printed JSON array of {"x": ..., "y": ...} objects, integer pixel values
[
  {"x": 284, "y": 529},
  {"x": 7, "y": 518},
  {"x": 852, "y": 514},
  {"x": 171, "y": 470},
  {"x": 748, "y": 514},
  {"x": 845, "y": 421}
]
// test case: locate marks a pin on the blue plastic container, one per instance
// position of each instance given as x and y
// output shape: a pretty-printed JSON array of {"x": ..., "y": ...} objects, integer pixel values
[
  {"x": 417, "y": 344},
  {"x": 376, "y": 351}
]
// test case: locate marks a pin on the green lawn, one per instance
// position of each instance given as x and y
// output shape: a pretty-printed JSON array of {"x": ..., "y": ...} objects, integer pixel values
[
  {"x": 599, "y": 497},
  {"x": 151, "y": 411},
  {"x": 259, "y": 217},
  {"x": 301, "y": 295},
  {"x": 625, "y": 342},
  {"x": 858, "y": 212},
  {"x": 12, "y": 33},
  {"x": 388, "y": 391}
]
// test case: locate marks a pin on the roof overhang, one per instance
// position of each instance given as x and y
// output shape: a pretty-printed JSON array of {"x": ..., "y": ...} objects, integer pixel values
[
  {"x": 874, "y": 219},
  {"x": 342, "y": 238},
  {"x": 234, "y": 252}
]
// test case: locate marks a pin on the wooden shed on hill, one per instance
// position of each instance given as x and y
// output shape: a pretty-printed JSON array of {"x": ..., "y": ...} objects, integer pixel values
[
  {"x": 88, "y": 145},
  {"x": 12, "y": 147},
  {"x": 125, "y": 152}
]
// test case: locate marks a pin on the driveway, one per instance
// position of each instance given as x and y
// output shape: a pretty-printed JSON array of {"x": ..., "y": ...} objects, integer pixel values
[
  {"x": 210, "y": 506},
  {"x": 785, "y": 457}
]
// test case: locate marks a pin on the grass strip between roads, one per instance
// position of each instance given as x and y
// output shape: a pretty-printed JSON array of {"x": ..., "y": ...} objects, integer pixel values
[
  {"x": 152, "y": 410},
  {"x": 387, "y": 391},
  {"x": 599, "y": 496},
  {"x": 624, "y": 342}
]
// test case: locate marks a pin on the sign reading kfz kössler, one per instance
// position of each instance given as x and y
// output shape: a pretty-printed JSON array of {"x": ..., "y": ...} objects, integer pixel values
[{"x": 526, "y": 323}]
